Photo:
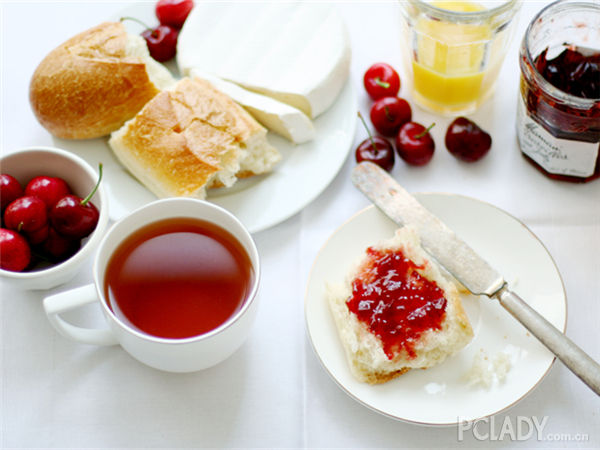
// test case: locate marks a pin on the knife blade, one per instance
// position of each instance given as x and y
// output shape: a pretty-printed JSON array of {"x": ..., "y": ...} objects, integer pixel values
[{"x": 470, "y": 269}]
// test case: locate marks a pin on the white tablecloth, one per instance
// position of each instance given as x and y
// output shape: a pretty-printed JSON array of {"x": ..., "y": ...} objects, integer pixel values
[{"x": 273, "y": 391}]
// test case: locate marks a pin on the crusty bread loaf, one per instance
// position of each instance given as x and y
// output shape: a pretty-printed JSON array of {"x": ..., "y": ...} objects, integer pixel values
[
  {"x": 190, "y": 137},
  {"x": 91, "y": 84},
  {"x": 364, "y": 350}
]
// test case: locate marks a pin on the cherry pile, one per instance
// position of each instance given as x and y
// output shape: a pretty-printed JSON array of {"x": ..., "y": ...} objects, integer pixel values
[
  {"x": 391, "y": 116},
  {"x": 162, "y": 39},
  {"x": 45, "y": 222}
]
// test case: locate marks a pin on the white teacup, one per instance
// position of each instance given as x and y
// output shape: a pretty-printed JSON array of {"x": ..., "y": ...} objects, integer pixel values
[{"x": 172, "y": 355}]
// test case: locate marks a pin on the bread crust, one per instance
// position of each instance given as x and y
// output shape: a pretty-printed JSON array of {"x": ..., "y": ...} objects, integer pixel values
[{"x": 88, "y": 87}]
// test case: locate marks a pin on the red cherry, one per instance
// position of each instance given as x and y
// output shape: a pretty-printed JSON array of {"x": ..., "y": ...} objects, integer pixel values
[
  {"x": 15, "y": 253},
  {"x": 161, "y": 42},
  {"x": 375, "y": 149},
  {"x": 76, "y": 218},
  {"x": 73, "y": 218},
  {"x": 466, "y": 141},
  {"x": 10, "y": 190},
  {"x": 173, "y": 12},
  {"x": 38, "y": 236},
  {"x": 59, "y": 248},
  {"x": 26, "y": 213},
  {"x": 389, "y": 113},
  {"x": 414, "y": 144},
  {"x": 49, "y": 189},
  {"x": 381, "y": 80}
]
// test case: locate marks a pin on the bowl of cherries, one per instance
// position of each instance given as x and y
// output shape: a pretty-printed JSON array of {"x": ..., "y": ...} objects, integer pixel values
[{"x": 54, "y": 214}]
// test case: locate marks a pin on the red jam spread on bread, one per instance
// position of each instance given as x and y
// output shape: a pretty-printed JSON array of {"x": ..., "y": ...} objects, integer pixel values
[{"x": 395, "y": 302}]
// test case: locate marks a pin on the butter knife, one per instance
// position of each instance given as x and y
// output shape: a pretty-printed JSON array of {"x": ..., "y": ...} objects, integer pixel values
[{"x": 468, "y": 267}]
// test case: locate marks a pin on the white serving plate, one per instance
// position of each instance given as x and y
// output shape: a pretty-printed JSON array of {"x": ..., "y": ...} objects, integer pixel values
[
  {"x": 262, "y": 201},
  {"x": 442, "y": 395}
]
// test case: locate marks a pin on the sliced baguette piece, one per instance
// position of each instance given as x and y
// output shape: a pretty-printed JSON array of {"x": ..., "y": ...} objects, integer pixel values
[
  {"x": 189, "y": 137},
  {"x": 364, "y": 351},
  {"x": 283, "y": 119},
  {"x": 91, "y": 84}
]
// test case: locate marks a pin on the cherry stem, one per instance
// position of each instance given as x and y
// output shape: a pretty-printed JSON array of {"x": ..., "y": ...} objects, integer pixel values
[
  {"x": 362, "y": 119},
  {"x": 383, "y": 84},
  {"x": 91, "y": 194},
  {"x": 140, "y": 22},
  {"x": 420, "y": 135}
]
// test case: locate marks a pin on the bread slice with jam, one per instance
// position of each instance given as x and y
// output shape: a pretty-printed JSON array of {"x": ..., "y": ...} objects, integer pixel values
[{"x": 396, "y": 311}]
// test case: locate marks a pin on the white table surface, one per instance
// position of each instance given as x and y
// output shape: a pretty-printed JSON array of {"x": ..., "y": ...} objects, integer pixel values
[{"x": 273, "y": 391}]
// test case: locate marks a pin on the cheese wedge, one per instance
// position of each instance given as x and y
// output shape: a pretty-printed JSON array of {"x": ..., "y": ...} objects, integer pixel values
[
  {"x": 283, "y": 119},
  {"x": 295, "y": 52}
]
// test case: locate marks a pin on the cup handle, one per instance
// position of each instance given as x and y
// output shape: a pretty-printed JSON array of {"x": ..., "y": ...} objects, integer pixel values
[{"x": 65, "y": 301}]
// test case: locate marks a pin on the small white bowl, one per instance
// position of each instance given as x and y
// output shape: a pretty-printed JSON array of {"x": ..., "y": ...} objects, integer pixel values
[{"x": 81, "y": 177}]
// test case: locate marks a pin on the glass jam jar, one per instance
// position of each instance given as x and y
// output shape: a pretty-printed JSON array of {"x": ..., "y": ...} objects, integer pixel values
[{"x": 559, "y": 132}]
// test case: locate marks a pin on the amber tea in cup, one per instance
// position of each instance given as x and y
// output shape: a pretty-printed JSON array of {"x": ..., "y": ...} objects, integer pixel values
[{"x": 178, "y": 278}]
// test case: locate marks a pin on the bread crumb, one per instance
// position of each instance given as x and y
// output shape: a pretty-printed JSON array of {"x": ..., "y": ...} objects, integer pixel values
[
  {"x": 502, "y": 366},
  {"x": 435, "y": 388},
  {"x": 479, "y": 373},
  {"x": 484, "y": 371}
]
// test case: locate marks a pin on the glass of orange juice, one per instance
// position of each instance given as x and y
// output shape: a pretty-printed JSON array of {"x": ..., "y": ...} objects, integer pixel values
[{"x": 454, "y": 50}]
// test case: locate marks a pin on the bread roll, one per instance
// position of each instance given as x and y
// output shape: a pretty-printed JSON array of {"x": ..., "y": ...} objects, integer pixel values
[
  {"x": 191, "y": 137},
  {"x": 364, "y": 350},
  {"x": 91, "y": 84}
]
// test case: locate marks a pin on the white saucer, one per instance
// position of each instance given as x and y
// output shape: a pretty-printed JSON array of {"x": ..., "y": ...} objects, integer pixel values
[{"x": 442, "y": 395}]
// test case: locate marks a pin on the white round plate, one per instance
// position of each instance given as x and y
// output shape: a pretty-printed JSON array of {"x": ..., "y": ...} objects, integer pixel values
[
  {"x": 262, "y": 201},
  {"x": 442, "y": 395}
]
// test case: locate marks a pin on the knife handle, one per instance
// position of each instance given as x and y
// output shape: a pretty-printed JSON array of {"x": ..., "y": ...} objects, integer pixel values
[{"x": 579, "y": 362}]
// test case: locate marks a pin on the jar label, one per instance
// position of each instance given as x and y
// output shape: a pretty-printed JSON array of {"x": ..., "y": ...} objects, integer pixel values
[{"x": 559, "y": 156}]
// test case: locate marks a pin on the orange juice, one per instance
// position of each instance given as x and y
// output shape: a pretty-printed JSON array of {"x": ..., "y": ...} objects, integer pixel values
[{"x": 455, "y": 62}]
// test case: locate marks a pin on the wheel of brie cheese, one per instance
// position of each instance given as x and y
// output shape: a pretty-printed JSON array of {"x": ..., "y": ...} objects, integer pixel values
[{"x": 296, "y": 53}]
